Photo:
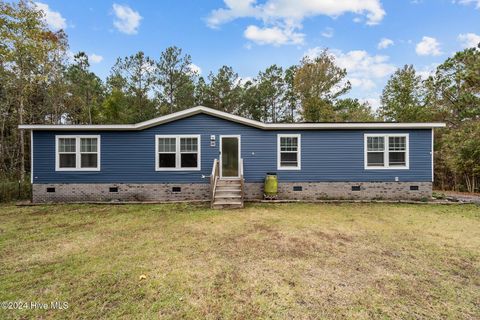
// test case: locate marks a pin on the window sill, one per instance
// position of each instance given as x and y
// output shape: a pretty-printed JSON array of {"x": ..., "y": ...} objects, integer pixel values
[
  {"x": 78, "y": 170},
  {"x": 178, "y": 169},
  {"x": 289, "y": 168},
  {"x": 387, "y": 168}
]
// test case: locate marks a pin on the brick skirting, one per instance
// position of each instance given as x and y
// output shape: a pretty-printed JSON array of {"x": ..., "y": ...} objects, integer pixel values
[
  {"x": 309, "y": 191},
  {"x": 344, "y": 190},
  {"x": 90, "y": 192}
]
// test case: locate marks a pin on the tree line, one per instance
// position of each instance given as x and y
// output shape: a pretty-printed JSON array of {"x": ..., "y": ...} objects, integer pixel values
[{"x": 40, "y": 83}]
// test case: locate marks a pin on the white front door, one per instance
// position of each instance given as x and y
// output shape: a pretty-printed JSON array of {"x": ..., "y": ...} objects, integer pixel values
[{"x": 230, "y": 156}]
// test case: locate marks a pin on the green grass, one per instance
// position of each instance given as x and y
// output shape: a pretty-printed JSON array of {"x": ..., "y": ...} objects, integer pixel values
[{"x": 285, "y": 261}]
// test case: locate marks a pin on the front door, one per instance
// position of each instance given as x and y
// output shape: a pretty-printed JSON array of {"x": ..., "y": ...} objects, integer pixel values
[{"x": 229, "y": 156}]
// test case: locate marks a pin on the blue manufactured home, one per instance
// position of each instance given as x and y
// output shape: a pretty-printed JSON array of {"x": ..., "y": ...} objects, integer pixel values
[{"x": 205, "y": 154}]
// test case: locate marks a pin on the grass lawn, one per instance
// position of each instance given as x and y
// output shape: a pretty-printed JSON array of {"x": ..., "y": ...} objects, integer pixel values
[{"x": 302, "y": 261}]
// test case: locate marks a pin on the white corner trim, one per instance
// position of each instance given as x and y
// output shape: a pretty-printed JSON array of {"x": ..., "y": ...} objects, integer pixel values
[
  {"x": 238, "y": 119},
  {"x": 432, "y": 153},
  {"x": 31, "y": 156},
  {"x": 299, "y": 151},
  {"x": 386, "y": 151},
  {"x": 77, "y": 153},
  {"x": 178, "y": 153}
]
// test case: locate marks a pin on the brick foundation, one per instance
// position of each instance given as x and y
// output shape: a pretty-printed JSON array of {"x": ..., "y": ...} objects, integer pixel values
[
  {"x": 343, "y": 190},
  {"x": 126, "y": 192},
  {"x": 310, "y": 191}
]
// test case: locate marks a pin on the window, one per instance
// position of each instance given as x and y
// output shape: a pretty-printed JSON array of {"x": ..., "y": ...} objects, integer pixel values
[
  {"x": 88, "y": 152},
  {"x": 67, "y": 152},
  {"x": 78, "y": 153},
  {"x": 397, "y": 147},
  {"x": 188, "y": 152},
  {"x": 386, "y": 151},
  {"x": 177, "y": 152},
  {"x": 288, "y": 155},
  {"x": 167, "y": 152}
]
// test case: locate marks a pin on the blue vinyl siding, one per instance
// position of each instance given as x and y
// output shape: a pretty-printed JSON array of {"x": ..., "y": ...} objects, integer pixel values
[{"x": 326, "y": 155}]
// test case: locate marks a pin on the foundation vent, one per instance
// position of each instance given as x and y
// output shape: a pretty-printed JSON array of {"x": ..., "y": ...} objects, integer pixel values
[
  {"x": 50, "y": 189},
  {"x": 356, "y": 188},
  {"x": 176, "y": 189}
]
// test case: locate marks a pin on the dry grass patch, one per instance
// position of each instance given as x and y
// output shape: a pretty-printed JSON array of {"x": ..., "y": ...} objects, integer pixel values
[{"x": 304, "y": 261}]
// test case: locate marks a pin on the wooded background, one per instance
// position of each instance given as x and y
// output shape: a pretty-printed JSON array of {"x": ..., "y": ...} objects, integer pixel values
[{"x": 40, "y": 83}]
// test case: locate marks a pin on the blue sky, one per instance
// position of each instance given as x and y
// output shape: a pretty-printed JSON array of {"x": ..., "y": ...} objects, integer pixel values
[{"x": 370, "y": 38}]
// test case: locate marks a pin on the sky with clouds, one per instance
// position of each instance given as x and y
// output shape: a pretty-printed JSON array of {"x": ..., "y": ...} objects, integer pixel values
[{"x": 370, "y": 38}]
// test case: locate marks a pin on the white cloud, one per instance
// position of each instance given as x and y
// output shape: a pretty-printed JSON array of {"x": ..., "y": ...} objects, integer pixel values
[
  {"x": 327, "y": 33},
  {"x": 283, "y": 18},
  {"x": 363, "y": 69},
  {"x": 469, "y": 40},
  {"x": 241, "y": 81},
  {"x": 427, "y": 71},
  {"x": 365, "y": 84},
  {"x": 295, "y": 10},
  {"x": 53, "y": 18},
  {"x": 70, "y": 55},
  {"x": 148, "y": 67},
  {"x": 127, "y": 20},
  {"x": 275, "y": 35},
  {"x": 468, "y": 2},
  {"x": 360, "y": 62},
  {"x": 385, "y": 43},
  {"x": 428, "y": 47},
  {"x": 95, "y": 58},
  {"x": 373, "y": 102},
  {"x": 195, "y": 69}
]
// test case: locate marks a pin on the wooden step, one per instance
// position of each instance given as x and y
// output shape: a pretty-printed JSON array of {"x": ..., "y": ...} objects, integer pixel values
[
  {"x": 228, "y": 189},
  {"x": 224, "y": 204},
  {"x": 229, "y": 185},
  {"x": 235, "y": 189},
  {"x": 228, "y": 195}
]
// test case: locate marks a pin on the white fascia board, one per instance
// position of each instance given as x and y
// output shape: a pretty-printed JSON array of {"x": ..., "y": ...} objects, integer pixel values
[
  {"x": 234, "y": 118},
  {"x": 78, "y": 127},
  {"x": 371, "y": 125}
]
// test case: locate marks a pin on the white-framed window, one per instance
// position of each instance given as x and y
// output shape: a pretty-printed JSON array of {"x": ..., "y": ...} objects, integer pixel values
[
  {"x": 77, "y": 153},
  {"x": 386, "y": 151},
  {"x": 288, "y": 152},
  {"x": 177, "y": 152}
]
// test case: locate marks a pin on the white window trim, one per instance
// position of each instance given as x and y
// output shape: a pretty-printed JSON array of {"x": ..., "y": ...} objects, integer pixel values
[
  {"x": 386, "y": 151},
  {"x": 299, "y": 151},
  {"x": 178, "y": 153},
  {"x": 77, "y": 153}
]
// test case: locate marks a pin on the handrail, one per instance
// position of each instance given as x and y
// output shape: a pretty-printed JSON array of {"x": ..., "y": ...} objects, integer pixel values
[
  {"x": 242, "y": 182},
  {"x": 241, "y": 167},
  {"x": 213, "y": 180},
  {"x": 214, "y": 167}
]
